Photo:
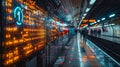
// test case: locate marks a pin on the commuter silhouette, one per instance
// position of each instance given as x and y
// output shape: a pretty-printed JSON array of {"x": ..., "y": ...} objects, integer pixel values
[
  {"x": 99, "y": 32},
  {"x": 84, "y": 33}
]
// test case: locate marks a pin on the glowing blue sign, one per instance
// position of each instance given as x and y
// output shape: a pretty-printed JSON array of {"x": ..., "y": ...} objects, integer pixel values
[{"x": 18, "y": 15}]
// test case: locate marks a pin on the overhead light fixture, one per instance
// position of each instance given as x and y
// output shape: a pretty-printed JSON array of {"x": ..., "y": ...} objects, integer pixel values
[
  {"x": 95, "y": 22},
  {"x": 103, "y": 19},
  {"x": 92, "y": 2},
  {"x": 112, "y": 15},
  {"x": 87, "y": 10},
  {"x": 85, "y": 14},
  {"x": 98, "y": 20}
]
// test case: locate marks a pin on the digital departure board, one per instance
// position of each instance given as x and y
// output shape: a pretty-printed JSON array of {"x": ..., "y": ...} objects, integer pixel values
[{"x": 24, "y": 30}]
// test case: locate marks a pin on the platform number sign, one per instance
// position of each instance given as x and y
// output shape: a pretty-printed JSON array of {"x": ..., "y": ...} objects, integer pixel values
[{"x": 18, "y": 15}]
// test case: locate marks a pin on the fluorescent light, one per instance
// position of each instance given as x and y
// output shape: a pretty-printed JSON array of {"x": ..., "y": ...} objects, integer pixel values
[
  {"x": 85, "y": 14},
  {"x": 112, "y": 15},
  {"x": 103, "y": 19},
  {"x": 87, "y": 10},
  {"x": 98, "y": 20},
  {"x": 92, "y": 2},
  {"x": 95, "y": 22}
]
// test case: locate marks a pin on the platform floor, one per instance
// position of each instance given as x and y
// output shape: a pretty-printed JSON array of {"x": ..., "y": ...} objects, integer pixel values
[{"x": 80, "y": 56}]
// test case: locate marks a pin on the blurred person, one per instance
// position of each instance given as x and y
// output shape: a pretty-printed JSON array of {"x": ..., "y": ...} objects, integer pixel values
[
  {"x": 99, "y": 32},
  {"x": 91, "y": 32},
  {"x": 95, "y": 32},
  {"x": 85, "y": 34}
]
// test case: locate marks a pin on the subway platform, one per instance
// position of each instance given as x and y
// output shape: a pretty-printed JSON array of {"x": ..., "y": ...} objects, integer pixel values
[
  {"x": 85, "y": 54},
  {"x": 47, "y": 33},
  {"x": 80, "y": 58}
]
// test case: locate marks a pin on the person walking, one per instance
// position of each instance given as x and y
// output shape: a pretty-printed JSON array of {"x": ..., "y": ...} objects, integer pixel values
[
  {"x": 85, "y": 34},
  {"x": 99, "y": 32}
]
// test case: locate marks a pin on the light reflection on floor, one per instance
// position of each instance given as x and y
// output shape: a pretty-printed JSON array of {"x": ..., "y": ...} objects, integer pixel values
[
  {"x": 79, "y": 57},
  {"x": 104, "y": 59}
]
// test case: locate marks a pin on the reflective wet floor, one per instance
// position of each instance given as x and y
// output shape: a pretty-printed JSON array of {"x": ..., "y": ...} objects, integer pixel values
[{"x": 80, "y": 56}]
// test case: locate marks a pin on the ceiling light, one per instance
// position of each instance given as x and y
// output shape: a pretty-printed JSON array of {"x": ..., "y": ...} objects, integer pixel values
[
  {"x": 98, "y": 20},
  {"x": 92, "y": 2},
  {"x": 112, "y": 15},
  {"x": 103, "y": 19},
  {"x": 95, "y": 22},
  {"x": 87, "y": 10},
  {"x": 85, "y": 14}
]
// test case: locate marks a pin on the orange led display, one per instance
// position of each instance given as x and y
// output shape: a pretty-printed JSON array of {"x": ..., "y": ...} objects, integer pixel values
[
  {"x": 10, "y": 1},
  {"x": 83, "y": 25},
  {"x": 84, "y": 21},
  {"x": 9, "y": 18},
  {"x": 90, "y": 21},
  {"x": 8, "y": 36},
  {"x": 18, "y": 42},
  {"x": 11, "y": 56},
  {"x": 11, "y": 29},
  {"x": 8, "y": 4},
  {"x": 22, "y": 40},
  {"x": 21, "y": 1}
]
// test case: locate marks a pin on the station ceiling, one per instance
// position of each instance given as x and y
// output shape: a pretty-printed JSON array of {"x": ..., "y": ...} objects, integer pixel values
[
  {"x": 103, "y": 8},
  {"x": 76, "y": 8},
  {"x": 62, "y": 8}
]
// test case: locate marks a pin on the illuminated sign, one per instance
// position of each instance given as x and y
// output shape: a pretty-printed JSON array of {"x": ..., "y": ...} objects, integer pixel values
[
  {"x": 20, "y": 43},
  {"x": 91, "y": 20},
  {"x": 18, "y": 15}
]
